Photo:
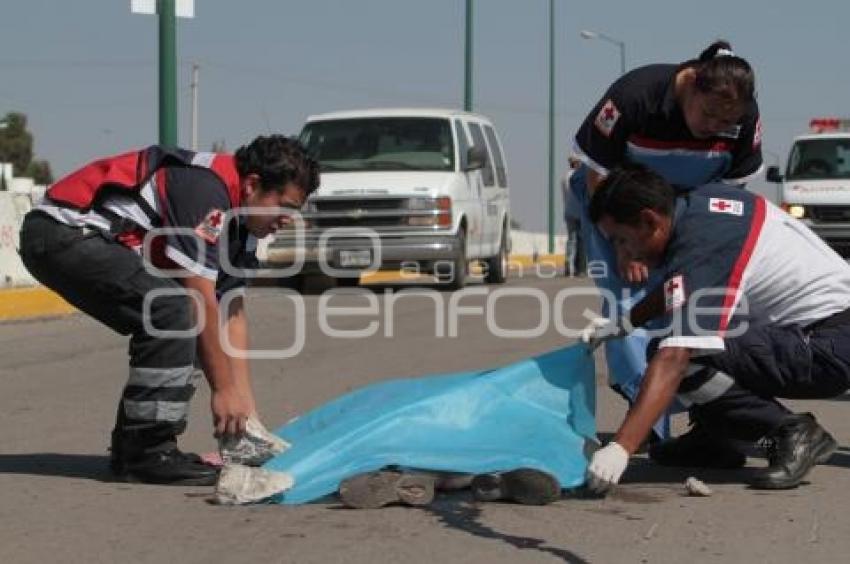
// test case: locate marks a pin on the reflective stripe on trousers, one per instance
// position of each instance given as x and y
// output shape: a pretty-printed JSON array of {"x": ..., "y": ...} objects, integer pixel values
[{"x": 157, "y": 395}]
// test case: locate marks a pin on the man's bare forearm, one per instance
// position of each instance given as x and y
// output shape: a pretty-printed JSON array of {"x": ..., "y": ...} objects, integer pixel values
[
  {"x": 237, "y": 330},
  {"x": 657, "y": 390}
]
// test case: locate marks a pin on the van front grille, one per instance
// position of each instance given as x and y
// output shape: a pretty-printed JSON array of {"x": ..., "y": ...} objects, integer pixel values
[
  {"x": 333, "y": 205},
  {"x": 360, "y": 212}
]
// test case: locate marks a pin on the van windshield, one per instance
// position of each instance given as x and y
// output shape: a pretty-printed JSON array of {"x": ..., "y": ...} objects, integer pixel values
[
  {"x": 825, "y": 159},
  {"x": 380, "y": 144}
]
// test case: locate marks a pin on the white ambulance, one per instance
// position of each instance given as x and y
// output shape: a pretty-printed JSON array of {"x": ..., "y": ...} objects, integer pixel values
[
  {"x": 424, "y": 190},
  {"x": 816, "y": 185}
]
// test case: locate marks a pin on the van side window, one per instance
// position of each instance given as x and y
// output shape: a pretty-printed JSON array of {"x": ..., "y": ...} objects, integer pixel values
[
  {"x": 496, "y": 151},
  {"x": 462, "y": 144},
  {"x": 487, "y": 175}
]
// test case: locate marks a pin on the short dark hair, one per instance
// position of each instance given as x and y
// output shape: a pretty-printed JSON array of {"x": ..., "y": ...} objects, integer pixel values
[
  {"x": 278, "y": 160},
  {"x": 722, "y": 73},
  {"x": 628, "y": 189}
]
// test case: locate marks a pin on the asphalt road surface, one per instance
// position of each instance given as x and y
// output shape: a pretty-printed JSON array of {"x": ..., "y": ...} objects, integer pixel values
[{"x": 59, "y": 382}]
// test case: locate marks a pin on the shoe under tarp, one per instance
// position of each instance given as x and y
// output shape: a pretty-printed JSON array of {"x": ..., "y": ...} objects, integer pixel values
[{"x": 536, "y": 413}]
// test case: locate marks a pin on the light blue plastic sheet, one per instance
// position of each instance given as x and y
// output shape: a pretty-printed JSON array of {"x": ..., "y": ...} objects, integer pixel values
[{"x": 536, "y": 413}]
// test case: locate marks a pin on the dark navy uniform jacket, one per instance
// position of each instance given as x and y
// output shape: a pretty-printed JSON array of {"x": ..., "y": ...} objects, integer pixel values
[
  {"x": 734, "y": 257},
  {"x": 639, "y": 120}
]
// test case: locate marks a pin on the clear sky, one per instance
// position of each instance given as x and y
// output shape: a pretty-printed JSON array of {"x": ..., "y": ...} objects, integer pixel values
[{"x": 85, "y": 71}]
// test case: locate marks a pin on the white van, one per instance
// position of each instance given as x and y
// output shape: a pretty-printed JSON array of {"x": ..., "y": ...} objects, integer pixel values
[
  {"x": 417, "y": 189},
  {"x": 816, "y": 185}
]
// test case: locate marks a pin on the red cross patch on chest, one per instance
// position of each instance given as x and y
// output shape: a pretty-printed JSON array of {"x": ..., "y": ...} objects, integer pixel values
[
  {"x": 674, "y": 293},
  {"x": 210, "y": 228},
  {"x": 607, "y": 118},
  {"x": 721, "y": 205}
]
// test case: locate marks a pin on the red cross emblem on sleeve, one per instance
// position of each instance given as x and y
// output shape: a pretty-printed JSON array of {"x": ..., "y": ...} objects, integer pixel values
[
  {"x": 674, "y": 293},
  {"x": 720, "y": 205},
  {"x": 210, "y": 228},
  {"x": 607, "y": 118},
  {"x": 215, "y": 218}
]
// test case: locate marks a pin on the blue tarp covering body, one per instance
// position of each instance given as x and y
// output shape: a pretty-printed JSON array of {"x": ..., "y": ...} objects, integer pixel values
[{"x": 536, "y": 413}]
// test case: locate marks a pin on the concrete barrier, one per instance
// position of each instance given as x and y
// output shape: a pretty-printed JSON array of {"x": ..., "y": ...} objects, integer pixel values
[
  {"x": 534, "y": 244},
  {"x": 12, "y": 209},
  {"x": 20, "y": 296}
]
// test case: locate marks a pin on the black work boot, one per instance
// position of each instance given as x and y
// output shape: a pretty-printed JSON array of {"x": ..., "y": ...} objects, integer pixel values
[
  {"x": 792, "y": 450},
  {"x": 525, "y": 485},
  {"x": 696, "y": 449},
  {"x": 167, "y": 467},
  {"x": 162, "y": 464}
]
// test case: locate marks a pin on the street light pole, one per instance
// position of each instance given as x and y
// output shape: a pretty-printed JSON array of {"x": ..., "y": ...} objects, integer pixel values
[
  {"x": 194, "y": 88},
  {"x": 551, "y": 126},
  {"x": 167, "y": 12},
  {"x": 587, "y": 34},
  {"x": 622, "y": 58},
  {"x": 167, "y": 73},
  {"x": 467, "y": 62}
]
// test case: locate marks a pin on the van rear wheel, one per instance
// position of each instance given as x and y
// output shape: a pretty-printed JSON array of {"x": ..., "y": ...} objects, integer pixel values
[{"x": 497, "y": 266}]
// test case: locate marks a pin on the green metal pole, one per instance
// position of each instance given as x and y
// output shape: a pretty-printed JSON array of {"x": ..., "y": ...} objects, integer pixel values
[
  {"x": 467, "y": 66},
  {"x": 551, "y": 126},
  {"x": 167, "y": 73}
]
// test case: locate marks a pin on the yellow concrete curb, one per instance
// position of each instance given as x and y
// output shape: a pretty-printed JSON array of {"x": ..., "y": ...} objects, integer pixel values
[
  {"x": 25, "y": 303},
  {"x": 515, "y": 262},
  {"x": 28, "y": 303},
  {"x": 526, "y": 261},
  {"x": 388, "y": 276}
]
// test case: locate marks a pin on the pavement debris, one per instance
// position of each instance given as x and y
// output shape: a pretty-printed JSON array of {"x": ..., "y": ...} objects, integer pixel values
[{"x": 697, "y": 488}]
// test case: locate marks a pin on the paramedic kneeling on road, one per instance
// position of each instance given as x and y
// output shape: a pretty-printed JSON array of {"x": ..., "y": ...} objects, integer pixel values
[
  {"x": 747, "y": 321},
  {"x": 694, "y": 123},
  {"x": 85, "y": 241}
]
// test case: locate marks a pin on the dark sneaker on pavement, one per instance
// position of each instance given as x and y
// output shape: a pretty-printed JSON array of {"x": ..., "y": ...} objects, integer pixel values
[
  {"x": 696, "y": 449},
  {"x": 525, "y": 485},
  {"x": 792, "y": 450},
  {"x": 377, "y": 489},
  {"x": 167, "y": 467}
]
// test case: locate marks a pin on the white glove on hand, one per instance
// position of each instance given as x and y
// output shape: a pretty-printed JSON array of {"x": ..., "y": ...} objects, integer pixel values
[
  {"x": 606, "y": 466},
  {"x": 601, "y": 329}
]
